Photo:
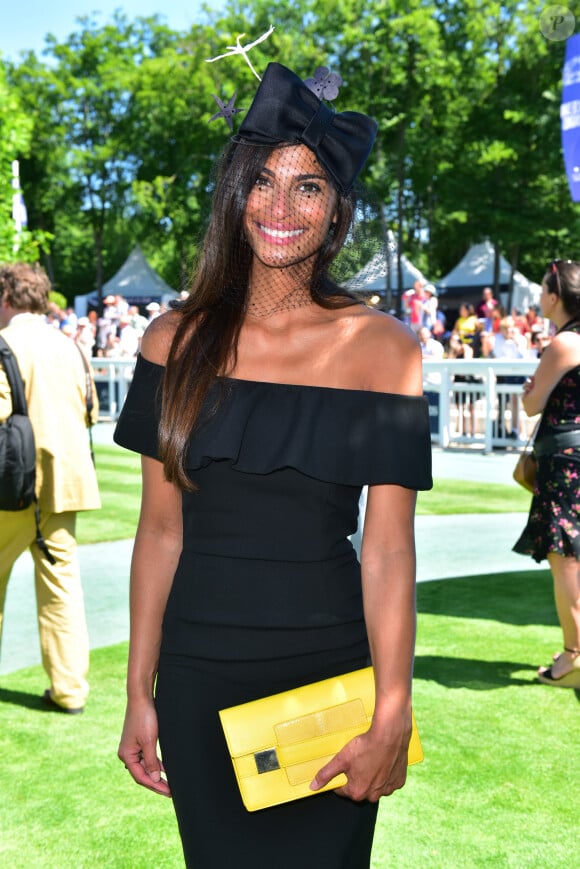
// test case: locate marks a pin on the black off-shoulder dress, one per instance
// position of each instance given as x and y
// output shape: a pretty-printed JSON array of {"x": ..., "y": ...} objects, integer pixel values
[{"x": 267, "y": 593}]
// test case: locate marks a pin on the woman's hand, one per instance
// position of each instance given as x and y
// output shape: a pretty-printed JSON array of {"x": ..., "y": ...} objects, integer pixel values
[
  {"x": 528, "y": 385},
  {"x": 375, "y": 764},
  {"x": 138, "y": 748}
]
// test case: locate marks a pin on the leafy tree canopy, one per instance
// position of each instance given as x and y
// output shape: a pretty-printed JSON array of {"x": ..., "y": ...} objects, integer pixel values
[{"x": 113, "y": 135}]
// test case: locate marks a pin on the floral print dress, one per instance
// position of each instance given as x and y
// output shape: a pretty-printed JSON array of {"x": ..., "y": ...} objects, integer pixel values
[{"x": 554, "y": 519}]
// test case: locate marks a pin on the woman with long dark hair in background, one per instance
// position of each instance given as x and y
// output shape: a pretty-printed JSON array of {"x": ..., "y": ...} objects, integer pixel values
[{"x": 553, "y": 529}]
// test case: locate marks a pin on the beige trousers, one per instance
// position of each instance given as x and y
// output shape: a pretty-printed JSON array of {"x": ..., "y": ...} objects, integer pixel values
[{"x": 62, "y": 625}]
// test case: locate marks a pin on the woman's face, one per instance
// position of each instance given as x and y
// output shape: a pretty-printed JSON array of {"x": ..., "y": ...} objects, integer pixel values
[
  {"x": 547, "y": 298},
  {"x": 290, "y": 208}
]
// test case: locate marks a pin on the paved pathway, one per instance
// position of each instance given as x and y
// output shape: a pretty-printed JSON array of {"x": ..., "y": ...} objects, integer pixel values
[{"x": 447, "y": 546}]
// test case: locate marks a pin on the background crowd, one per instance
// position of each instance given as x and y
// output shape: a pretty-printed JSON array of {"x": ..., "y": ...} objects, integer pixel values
[
  {"x": 481, "y": 331},
  {"x": 116, "y": 334}
]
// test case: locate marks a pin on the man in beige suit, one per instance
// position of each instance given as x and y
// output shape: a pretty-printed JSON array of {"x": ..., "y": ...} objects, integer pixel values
[{"x": 55, "y": 386}]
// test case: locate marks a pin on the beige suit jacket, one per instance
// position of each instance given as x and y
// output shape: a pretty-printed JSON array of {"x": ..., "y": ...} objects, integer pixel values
[{"x": 55, "y": 387}]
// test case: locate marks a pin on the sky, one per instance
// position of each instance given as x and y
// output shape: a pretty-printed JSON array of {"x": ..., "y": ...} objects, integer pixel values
[{"x": 25, "y": 26}]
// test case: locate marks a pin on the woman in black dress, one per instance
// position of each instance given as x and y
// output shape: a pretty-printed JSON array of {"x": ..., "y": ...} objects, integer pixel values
[
  {"x": 553, "y": 529},
  {"x": 261, "y": 406}
]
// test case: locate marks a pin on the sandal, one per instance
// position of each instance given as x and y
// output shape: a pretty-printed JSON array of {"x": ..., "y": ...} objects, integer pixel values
[{"x": 571, "y": 679}]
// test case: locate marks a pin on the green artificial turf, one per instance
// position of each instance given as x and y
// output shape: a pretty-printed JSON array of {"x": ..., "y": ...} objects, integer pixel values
[{"x": 497, "y": 787}]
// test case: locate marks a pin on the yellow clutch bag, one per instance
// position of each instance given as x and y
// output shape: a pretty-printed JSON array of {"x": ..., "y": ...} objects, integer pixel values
[{"x": 278, "y": 743}]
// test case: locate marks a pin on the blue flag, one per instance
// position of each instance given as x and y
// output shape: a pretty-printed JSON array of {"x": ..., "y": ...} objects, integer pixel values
[{"x": 570, "y": 115}]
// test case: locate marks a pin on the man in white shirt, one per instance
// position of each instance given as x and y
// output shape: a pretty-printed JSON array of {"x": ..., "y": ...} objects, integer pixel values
[{"x": 430, "y": 347}]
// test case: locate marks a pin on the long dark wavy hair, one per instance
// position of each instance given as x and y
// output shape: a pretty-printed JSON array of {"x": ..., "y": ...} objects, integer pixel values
[{"x": 205, "y": 343}]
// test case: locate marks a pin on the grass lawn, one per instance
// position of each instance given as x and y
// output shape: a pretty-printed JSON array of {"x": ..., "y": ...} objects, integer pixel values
[
  {"x": 496, "y": 788},
  {"x": 502, "y": 750},
  {"x": 119, "y": 475},
  {"x": 458, "y": 496}
]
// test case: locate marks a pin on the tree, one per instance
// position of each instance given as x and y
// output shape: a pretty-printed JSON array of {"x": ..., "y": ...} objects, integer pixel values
[
  {"x": 466, "y": 95},
  {"x": 494, "y": 182},
  {"x": 15, "y": 134},
  {"x": 174, "y": 149},
  {"x": 80, "y": 163}
]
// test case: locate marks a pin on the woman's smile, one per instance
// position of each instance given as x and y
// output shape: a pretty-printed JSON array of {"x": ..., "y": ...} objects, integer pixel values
[
  {"x": 278, "y": 235},
  {"x": 290, "y": 208}
]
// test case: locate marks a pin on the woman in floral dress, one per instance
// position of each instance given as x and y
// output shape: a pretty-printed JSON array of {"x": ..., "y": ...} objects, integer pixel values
[{"x": 553, "y": 528}]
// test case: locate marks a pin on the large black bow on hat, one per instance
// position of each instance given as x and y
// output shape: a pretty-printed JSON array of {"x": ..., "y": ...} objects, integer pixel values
[{"x": 286, "y": 110}]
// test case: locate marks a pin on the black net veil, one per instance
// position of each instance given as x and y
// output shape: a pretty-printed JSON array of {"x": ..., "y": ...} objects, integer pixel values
[
  {"x": 287, "y": 230},
  {"x": 293, "y": 238},
  {"x": 365, "y": 259},
  {"x": 290, "y": 224}
]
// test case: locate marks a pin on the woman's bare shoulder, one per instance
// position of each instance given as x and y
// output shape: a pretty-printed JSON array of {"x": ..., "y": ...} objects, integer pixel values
[
  {"x": 562, "y": 351},
  {"x": 385, "y": 331},
  {"x": 386, "y": 324},
  {"x": 568, "y": 341},
  {"x": 387, "y": 353},
  {"x": 158, "y": 337}
]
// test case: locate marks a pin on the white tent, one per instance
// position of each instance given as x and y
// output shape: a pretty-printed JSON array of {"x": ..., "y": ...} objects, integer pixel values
[
  {"x": 136, "y": 281},
  {"x": 475, "y": 271},
  {"x": 372, "y": 278}
]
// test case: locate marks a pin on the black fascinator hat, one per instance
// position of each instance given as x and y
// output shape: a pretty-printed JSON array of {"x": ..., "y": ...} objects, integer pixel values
[{"x": 285, "y": 109}]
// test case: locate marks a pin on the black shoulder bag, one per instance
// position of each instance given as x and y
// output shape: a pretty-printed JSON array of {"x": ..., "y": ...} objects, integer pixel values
[{"x": 18, "y": 451}]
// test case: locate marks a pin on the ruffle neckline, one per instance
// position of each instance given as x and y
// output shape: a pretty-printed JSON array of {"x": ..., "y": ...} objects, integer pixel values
[{"x": 350, "y": 437}]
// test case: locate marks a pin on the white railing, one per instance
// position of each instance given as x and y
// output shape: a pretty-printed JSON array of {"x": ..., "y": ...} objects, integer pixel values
[
  {"x": 473, "y": 403},
  {"x": 112, "y": 377},
  {"x": 470, "y": 403}
]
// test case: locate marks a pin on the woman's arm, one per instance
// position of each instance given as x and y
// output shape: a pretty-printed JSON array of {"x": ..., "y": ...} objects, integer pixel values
[
  {"x": 158, "y": 544},
  {"x": 156, "y": 552},
  {"x": 561, "y": 355},
  {"x": 376, "y": 762}
]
